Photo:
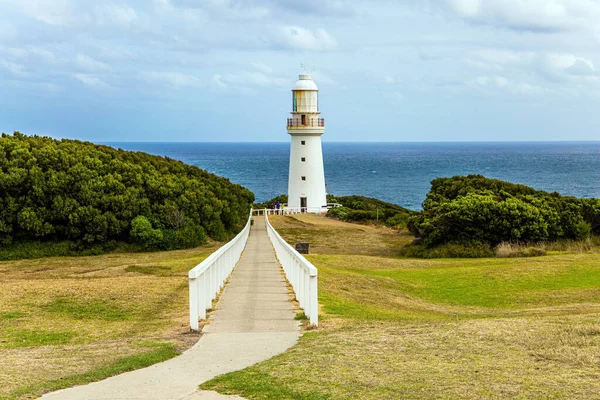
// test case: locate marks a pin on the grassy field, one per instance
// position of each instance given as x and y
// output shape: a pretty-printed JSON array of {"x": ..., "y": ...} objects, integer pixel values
[
  {"x": 71, "y": 320},
  {"x": 449, "y": 328}
]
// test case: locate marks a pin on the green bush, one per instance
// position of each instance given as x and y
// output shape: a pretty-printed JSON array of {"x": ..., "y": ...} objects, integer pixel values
[
  {"x": 143, "y": 233},
  {"x": 449, "y": 250},
  {"x": 366, "y": 209},
  {"x": 68, "y": 190},
  {"x": 477, "y": 209}
]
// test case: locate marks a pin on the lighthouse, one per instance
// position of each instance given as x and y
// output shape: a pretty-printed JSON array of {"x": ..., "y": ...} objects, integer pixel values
[{"x": 306, "y": 182}]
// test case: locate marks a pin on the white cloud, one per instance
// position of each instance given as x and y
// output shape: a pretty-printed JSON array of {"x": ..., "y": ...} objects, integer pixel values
[
  {"x": 90, "y": 64},
  {"x": 52, "y": 12},
  {"x": 262, "y": 67},
  {"x": 295, "y": 37},
  {"x": 550, "y": 66},
  {"x": 91, "y": 81},
  {"x": 395, "y": 98},
  {"x": 175, "y": 79},
  {"x": 500, "y": 84},
  {"x": 248, "y": 78},
  {"x": 531, "y": 15},
  {"x": 16, "y": 70},
  {"x": 7, "y": 31},
  {"x": 119, "y": 15}
]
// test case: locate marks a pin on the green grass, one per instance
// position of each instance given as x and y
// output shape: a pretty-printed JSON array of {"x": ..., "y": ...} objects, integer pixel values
[
  {"x": 88, "y": 309},
  {"x": 497, "y": 283},
  {"x": 14, "y": 338},
  {"x": 11, "y": 315},
  {"x": 156, "y": 270},
  {"x": 257, "y": 385},
  {"x": 394, "y": 327},
  {"x": 160, "y": 352}
]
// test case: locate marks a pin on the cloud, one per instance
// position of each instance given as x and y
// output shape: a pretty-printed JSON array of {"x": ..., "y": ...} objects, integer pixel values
[
  {"x": 262, "y": 67},
  {"x": 62, "y": 13},
  {"x": 553, "y": 67},
  {"x": 91, "y": 81},
  {"x": 395, "y": 98},
  {"x": 175, "y": 79},
  {"x": 16, "y": 70},
  {"x": 248, "y": 78},
  {"x": 90, "y": 64},
  {"x": 295, "y": 37},
  {"x": 528, "y": 15},
  {"x": 339, "y": 8},
  {"x": 119, "y": 15},
  {"x": 500, "y": 84}
]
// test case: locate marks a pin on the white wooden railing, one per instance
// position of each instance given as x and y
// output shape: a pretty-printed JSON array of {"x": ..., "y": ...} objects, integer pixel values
[
  {"x": 207, "y": 279},
  {"x": 291, "y": 210},
  {"x": 301, "y": 274}
]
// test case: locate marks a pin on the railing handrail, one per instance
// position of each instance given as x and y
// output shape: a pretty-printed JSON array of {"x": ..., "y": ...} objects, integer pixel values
[
  {"x": 293, "y": 122},
  {"x": 307, "y": 265},
  {"x": 200, "y": 268},
  {"x": 208, "y": 278},
  {"x": 291, "y": 210},
  {"x": 305, "y": 289}
]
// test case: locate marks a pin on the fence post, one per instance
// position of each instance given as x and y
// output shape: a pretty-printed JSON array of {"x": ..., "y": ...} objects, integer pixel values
[
  {"x": 193, "y": 304},
  {"x": 313, "y": 302}
]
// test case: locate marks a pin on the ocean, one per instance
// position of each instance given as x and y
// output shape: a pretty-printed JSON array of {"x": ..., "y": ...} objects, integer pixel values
[{"x": 399, "y": 173}]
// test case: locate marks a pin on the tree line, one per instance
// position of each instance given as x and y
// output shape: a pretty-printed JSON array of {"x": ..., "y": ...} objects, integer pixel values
[
  {"x": 53, "y": 190},
  {"x": 475, "y": 209}
]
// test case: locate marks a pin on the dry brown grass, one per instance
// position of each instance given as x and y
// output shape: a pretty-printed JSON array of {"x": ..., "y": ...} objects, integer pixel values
[
  {"x": 396, "y": 328},
  {"x": 65, "y": 316},
  {"x": 330, "y": 236}
]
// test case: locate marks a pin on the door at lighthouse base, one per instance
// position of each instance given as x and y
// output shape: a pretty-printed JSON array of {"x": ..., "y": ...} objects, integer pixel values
[{"x": 303, "y": 203}]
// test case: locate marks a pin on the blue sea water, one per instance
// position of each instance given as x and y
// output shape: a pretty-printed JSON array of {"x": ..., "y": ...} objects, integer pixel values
[{"x": 396, "y": 172}]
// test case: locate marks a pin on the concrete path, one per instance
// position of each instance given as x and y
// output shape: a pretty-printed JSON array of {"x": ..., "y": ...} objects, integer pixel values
[{"x": 253, "y": 321}]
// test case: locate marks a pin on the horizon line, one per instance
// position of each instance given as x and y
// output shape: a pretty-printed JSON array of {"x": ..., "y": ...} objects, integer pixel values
[{"x": 357, "y": 142}]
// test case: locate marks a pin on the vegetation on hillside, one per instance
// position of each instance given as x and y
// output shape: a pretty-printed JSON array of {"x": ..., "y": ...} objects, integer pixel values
[
  {"x": 367, "y": 209},
  {"x": 89, "y": 195},
  {"x": 468, "y": 210},
  {"x": 358, "y": 209}
]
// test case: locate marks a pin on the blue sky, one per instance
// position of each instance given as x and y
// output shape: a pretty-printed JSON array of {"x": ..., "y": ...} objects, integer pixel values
[{"x": 222, "y": 70}]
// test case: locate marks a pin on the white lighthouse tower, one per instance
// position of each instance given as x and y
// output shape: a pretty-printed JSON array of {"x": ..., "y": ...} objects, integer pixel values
[{"x": 306, "y": 183}]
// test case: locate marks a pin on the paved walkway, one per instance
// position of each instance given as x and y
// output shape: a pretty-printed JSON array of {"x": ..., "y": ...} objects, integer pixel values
[{"x": 253, "y": 321}]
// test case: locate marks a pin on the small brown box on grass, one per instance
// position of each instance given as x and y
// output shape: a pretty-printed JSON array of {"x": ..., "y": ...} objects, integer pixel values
[{"x": 302, "y": 247}]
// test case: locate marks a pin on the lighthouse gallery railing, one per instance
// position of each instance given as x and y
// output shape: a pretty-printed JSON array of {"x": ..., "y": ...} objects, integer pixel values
[{"x": 307, "y": 122}]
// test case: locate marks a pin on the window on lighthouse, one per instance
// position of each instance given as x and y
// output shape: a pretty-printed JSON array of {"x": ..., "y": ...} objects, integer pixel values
[
  {"x": 294, "y": 102},
  {"x": 303, "y": 159},
  {"x": 303, "y": 178}
]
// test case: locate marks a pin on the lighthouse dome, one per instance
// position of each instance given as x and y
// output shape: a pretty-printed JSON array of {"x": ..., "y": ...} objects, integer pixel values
[{"x": 305, "y": 82}]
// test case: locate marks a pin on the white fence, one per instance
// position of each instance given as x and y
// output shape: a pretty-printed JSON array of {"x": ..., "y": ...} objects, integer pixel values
[
  {"x": 299, "y": 272},
  {"x": 207, "y": 279},
  {"x": 290, "y": 210}
]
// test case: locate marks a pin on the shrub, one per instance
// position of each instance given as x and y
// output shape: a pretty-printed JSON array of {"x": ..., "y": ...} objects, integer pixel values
[
  {"x": 506, "y": 249},
  {"x": 191, "y": 236},
  {"x": 474, "y": 208},
  {"x": 143, "y": 233},
  {"x": 56, "y": 190},
  {"x": 449, "y": 250}
]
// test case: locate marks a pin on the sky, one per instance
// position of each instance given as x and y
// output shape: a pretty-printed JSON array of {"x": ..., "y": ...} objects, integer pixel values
[{"x": 222, "y": 70}]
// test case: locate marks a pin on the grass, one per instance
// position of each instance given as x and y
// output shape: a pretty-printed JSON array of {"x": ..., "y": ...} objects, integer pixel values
[
  {"x": 88, "y": 309},
  {"x": 394, "y": 327},
  {"x": 159, "y": 352},
  {"x": 91, "y": 317},
  {"x": 13, "y": 338}
]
